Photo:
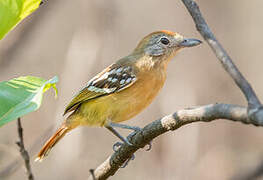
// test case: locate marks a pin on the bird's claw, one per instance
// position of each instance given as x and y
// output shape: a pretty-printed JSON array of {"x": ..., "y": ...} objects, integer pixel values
[
  {"x": 127, "y": 161},
  {"x": 149, "y": 146},
  {"x": 116, "y": 146}
]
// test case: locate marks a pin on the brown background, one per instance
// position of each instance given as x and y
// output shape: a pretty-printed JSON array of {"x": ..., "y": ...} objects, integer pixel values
[{"x": 77, "y": 39}]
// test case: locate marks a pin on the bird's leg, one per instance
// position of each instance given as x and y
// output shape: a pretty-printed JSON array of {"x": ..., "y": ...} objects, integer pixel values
[
  {"x": 135, "y": 128},
  {"x": 125, "y": 140},
  {"x": 124, "y": 126},
  {"x": 117, "y": 145},
  {"x": 110, "y": 126}
]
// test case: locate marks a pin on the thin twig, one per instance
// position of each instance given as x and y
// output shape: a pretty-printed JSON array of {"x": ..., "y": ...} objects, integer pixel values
[
  {"x": 255, "y": 110},
  {"x": 23, "y": 151},
  {"x": 171, "y": 122},
  {"x": 16, "y": 163}
]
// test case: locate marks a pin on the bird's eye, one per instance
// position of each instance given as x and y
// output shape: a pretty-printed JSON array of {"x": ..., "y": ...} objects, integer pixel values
[{"x": 164, "y": 41}]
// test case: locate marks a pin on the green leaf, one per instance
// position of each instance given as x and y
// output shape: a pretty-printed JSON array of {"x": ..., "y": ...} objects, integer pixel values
[
  {"x": 22, "y": 95},
  {"x": 13, "y": 11}
]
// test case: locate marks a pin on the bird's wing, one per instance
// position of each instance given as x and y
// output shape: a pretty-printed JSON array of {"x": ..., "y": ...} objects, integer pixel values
[{"x": 115, "y": 78}]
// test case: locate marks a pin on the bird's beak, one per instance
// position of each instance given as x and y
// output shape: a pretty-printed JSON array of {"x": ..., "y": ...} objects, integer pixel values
[{"x": 190, "y": 42}]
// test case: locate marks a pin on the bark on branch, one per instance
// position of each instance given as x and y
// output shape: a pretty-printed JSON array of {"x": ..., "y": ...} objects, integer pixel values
[{"x": 169, "y": 123}]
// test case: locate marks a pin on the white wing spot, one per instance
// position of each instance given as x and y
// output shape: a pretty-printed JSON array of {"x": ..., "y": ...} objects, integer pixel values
[
  {"x": 128, "y": 80},
  {"x": 110, "y": 78},
  {"x": 94, "y": 89},
  {"x": 112, "y": 71},
  {"x": 91, "y": 88},
  {"x": 119, "y": 70},
  {"x": 114, "y": 80},
  {"x": 122, "y": 81},
  {"x": 109, "y": 90}
]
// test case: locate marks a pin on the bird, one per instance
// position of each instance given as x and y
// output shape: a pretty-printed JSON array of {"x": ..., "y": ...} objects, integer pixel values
[{"x": 123, "y": 89}]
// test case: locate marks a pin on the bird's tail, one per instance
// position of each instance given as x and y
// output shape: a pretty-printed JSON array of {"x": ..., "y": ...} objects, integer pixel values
[{"x": 60, "y": 133}]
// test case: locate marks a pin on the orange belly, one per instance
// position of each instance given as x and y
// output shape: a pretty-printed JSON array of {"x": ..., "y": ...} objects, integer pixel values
[{"x": 138, "y": 97}]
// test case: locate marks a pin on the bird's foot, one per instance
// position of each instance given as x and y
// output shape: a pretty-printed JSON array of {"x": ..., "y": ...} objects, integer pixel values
[
  {"x": 149, "y": 146},
  {"x": 127, "y": 140},
  {"x": 116, "y": 147},
  {"x": 127, "y": 161},
  {"x": 136, "y": 131},
  {"x": 124, "y": 126}
]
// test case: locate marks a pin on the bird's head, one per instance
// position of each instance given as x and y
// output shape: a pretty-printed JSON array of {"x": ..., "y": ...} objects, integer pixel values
[{"x": 164, "y": 44}]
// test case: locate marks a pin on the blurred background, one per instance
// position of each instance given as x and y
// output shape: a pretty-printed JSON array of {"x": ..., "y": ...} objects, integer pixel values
[{"x": 77, "y": 39}]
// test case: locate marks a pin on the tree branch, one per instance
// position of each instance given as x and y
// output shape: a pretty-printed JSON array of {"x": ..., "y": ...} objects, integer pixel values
[
  {"x": 255, "y": 110},
  {"x": 169, "y": 123},
  {"x": 23, "y": 151}
]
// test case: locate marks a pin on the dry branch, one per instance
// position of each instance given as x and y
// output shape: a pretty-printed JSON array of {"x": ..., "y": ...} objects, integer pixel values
[
  {"x": 23, "y": 151},
  {"x": 168, "y": 123}
]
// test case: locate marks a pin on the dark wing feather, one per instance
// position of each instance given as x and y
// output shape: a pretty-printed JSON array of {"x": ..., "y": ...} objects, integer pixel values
[{"x": 110, "y": 80}]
